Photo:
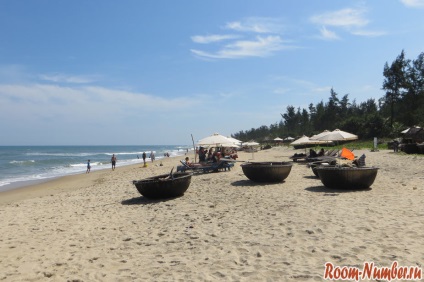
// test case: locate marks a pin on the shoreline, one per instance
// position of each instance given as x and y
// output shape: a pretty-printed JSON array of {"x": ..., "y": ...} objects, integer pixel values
[
  {"x": 54, "y": 185},
  {"x": 29, "y": 165}
]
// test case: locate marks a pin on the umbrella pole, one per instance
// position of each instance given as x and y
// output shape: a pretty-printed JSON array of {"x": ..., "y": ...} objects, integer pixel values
[{"x": 194, "y": 148}]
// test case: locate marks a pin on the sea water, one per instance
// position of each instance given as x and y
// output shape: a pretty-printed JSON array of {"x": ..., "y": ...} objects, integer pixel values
[{"x": 26, "y": 165}]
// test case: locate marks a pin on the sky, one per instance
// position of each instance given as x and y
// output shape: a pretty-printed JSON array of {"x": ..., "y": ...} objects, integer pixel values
[{"x": 133, "y": 72}]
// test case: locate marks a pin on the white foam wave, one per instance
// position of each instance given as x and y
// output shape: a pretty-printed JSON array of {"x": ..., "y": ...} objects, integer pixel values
[
  {"x": 65, "y": 154},
  {"x": 22, "y": 162}
]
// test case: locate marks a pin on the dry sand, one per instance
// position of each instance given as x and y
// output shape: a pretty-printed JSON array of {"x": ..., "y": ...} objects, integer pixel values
[{"x": 97, "y": 227}]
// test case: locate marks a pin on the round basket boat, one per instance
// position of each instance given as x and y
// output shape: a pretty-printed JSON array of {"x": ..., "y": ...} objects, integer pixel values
[
  {"x": 267, "y": 171},
  {"x": 164, "y": 186},
  {"x": 314, "y": 166},
  {"x": 420, "y": 148},
  {"x": 410, "y": 148},
  {"x": 338, "y": 177}
]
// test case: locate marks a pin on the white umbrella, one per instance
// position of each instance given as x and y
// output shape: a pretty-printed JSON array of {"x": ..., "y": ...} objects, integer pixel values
[
  {"x": 230, "y": 145},
  {"x": 301, "y": 141},
  {"x": 235, "y": 141},
  {"x": 215, "y": 139},
  {"x": 325, "y": 132},
  {"x": 288, "y": 138},
  {"x": 278, "y": 139},
  {"x": 250, "y": 144},
  {"x": 337, "y": 135},
  {"x": 305, "y": 140}
]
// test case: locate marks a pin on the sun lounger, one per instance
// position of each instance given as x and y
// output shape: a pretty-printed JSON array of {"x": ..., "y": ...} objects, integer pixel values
[
  {"x": 321, "y": 159},
  {"x": 208, "y": 167},
  {"x": 330, "y": 153},
  {"x": 297, "y": 157}
]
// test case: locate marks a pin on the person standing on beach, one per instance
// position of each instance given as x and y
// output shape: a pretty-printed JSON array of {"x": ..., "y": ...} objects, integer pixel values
[
  {"x": 144, "y": 158},
  {"x": 152, "y": 156},
  {"x": 88, "y": 167},
  {"x": 113, "y": 160},
  {"x": 396, "y": 146}
]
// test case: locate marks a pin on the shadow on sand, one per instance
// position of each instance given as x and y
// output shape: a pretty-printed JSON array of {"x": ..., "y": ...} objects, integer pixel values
[
  {"x": 333, "y": 192},
  {"x": 145, "y": 201},
  {"x": 248, "y": 182}
]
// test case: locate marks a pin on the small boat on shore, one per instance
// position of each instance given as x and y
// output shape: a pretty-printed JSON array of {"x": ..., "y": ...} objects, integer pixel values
[
  {"x": 267, "y": 171},
  {"x": 341, "y": 177},
  {"x": 164, "y": 186}
]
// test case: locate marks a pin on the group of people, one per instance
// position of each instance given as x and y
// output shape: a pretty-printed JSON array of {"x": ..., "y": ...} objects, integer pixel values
[
  {"x": 314, "y": 154},
  {"x": 212, "y": 155},
  {"x": 209, "y": 155}
]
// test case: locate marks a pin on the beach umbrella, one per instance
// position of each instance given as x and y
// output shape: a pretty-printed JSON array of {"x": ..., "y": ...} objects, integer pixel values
[
  {"x": 215, "y": 139},
  {"x": 251, "y": 144},
  {"x": 301, "y": 141},
  {"x": 337, "y": 135},
  {"x": 235, "y": 141},
  {"x": 278, "y": 139},
  {"x": 325, "y": 132},
  {"x": 289, "y": 138},
  {"x": 230, "y": 145},
  {"x": 305, "y": 140}
]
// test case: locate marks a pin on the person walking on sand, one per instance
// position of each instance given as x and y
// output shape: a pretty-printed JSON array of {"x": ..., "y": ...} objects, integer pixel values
[
  {"x": 113, "y": 160},
  {"x": 88, "y": 167},
  {"x": 152, "y": 156}
]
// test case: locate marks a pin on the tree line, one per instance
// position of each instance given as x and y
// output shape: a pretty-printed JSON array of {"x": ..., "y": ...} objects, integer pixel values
[{"x": 401, "y": 106}]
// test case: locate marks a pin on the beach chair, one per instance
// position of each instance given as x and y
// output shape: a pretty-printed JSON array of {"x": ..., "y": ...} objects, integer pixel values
[
  {"x": 329, "y": 152},
  {"x": 296, "y": 157},
  {"x": 208, "y": 167},
  {"x": 321, "y": 159}
]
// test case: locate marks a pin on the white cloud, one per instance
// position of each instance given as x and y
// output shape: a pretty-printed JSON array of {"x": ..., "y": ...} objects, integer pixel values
[
  {"x": 13, "y": 73},
  {"x": 256, "y": 25},
  {"x": 261, "y": 47},
  {"x": 62, "y": 78},
  {"x": 413, "y": 3},
  {"x": 328, "y": 34},
  {"x": 305, "y": 85},
  {"x": 325, "y": 89},
  {"x": 212, "y": 38},
  {"x": 342, "y": 18},
  {"x": 70, "y": 104},
  {"x": 368, "y": 33},
  {"x": 349, "y": 19},
  {"x": 53, "y": 114}
]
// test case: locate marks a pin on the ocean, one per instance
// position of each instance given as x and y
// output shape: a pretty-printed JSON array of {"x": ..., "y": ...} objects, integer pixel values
[{"x": 26, "y": 165}]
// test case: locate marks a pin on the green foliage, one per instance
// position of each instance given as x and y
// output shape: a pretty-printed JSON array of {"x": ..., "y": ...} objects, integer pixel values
[{"x": 400, "y": 107}]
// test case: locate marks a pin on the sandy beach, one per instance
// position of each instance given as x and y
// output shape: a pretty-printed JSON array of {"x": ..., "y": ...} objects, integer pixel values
[{"x": 97, "y": 227}]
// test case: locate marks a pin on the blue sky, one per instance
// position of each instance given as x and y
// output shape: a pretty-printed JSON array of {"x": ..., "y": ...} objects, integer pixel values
[{"x": 106, "y": 72}]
